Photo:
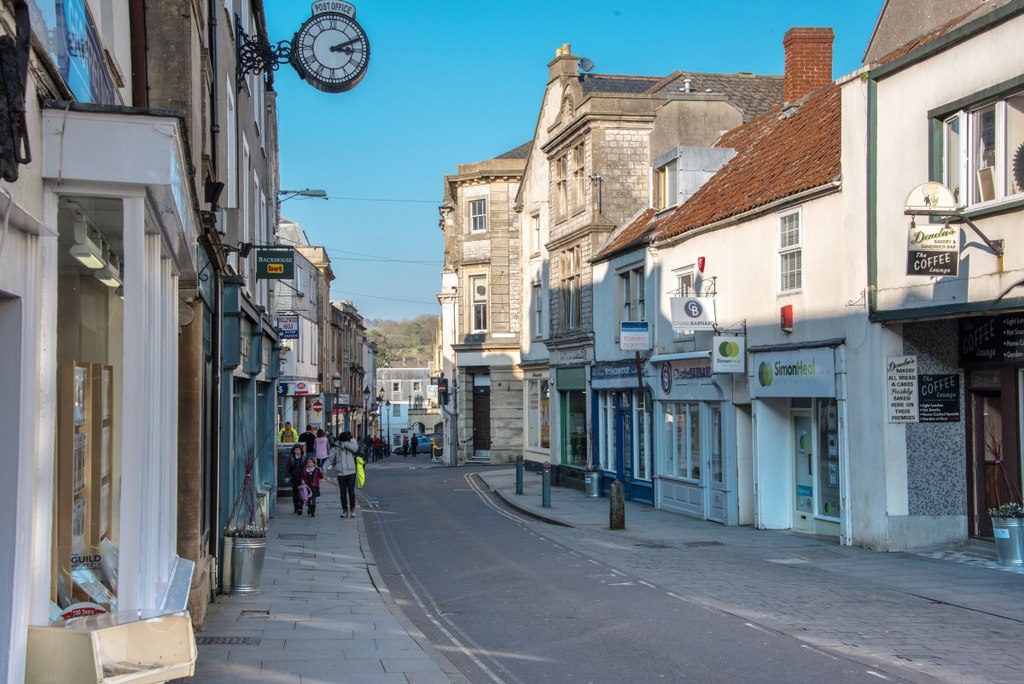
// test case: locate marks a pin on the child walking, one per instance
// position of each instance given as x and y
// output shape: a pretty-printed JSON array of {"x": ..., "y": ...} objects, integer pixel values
[{"x": 312, "y": 476}]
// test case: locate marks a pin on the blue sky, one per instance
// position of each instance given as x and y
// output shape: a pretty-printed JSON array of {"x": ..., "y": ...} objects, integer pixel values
[{"x": 457, "y": 82}]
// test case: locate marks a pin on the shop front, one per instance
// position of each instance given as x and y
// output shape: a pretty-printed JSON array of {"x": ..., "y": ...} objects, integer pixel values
[
  {"x": 799, "y": 459},
  {"x": 696, "y": 465},
  {"x": 623, "y": 428},
  {"x": 537, "y": 387}
]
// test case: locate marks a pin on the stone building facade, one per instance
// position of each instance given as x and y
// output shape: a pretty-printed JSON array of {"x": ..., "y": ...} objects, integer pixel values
[{"x": 483, "y": 312}]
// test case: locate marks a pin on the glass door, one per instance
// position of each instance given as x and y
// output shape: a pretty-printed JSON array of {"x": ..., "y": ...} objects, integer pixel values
[{"x": 803, "y": 472}]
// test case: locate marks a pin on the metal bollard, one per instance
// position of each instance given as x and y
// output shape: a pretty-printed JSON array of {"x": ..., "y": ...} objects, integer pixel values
[
  {"x": 520, "y": 466},
  {"x": 546, "y": 487}
]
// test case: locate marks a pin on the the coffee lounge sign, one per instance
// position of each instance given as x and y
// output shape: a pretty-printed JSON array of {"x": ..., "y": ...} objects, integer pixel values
[{"x": 992, "y": 339}]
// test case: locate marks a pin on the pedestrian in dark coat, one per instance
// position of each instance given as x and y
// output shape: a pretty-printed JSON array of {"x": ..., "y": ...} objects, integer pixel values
[{"x": 296, "y": 462}]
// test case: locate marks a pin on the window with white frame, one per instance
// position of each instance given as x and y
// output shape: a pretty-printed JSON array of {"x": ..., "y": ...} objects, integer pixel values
[
  {"x": 982, "y": 145},
  {"x": 685, "y": 284},
  {"x": 631, "y": 295},
  {"x": 396, "y": 390},
  {"x": 416, "y": 386},
  {"x": 665, "y": 186},
  {"x": 534, "y": 233},
  {"x": 478, "y": 299},
  {"x": 571, "y": 286},
  {"x": 579, "y": 178},
  {"x": 538, "y": 311},
  {"x": 790, "y": 253},
  {"x": 478, "y": 215}
]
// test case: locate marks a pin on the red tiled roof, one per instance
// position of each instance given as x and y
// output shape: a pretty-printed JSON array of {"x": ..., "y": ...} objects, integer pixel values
[
  {"x": 630, "y": 236},
  {"x": 778, "y": 155}
]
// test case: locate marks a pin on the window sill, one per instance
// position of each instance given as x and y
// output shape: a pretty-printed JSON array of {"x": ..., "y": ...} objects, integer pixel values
[{"x": 993, "y": 207}]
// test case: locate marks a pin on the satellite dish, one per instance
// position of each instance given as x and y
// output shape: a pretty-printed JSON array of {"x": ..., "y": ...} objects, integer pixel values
[{"x": 586, "y": 65}]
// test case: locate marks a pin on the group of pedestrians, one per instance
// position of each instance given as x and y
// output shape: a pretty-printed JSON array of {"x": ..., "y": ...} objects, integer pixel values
[
  {"x": 306, "y": 468},
  {"x": 376, "y": 447}
]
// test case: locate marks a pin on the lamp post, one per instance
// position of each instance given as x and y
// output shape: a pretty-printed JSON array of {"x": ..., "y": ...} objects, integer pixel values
[
  {"x": 336, "y": 379},
  {"x": 387, "y": 408},
  {"x": 366, "y": 410}
]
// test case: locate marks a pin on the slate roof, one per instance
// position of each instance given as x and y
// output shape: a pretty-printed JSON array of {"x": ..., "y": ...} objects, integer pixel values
[
  {"x": 521, "y": 152},
  {"x": 778, "y": 155},
  {"x": 753, "y": 94},
  {"x": 605, "y": 83}
]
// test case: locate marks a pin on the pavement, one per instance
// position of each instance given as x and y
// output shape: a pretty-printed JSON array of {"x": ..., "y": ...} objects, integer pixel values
[{"x": 951, "y": 614}]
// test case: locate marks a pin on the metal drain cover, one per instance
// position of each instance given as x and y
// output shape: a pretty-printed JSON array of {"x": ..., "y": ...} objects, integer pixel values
[
  {"x": 265, "y": 614},
  {"x": 296, "y": 535},
  {"x": 209, "y": 640}
]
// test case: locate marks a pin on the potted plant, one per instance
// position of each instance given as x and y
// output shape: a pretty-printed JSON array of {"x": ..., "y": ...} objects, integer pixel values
[
  {"x": 1007, "y": 526},
  {"x": 245, "y": 534}
]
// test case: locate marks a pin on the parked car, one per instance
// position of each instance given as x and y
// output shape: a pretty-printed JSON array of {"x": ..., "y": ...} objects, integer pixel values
[{"x": 425, "y": 443}]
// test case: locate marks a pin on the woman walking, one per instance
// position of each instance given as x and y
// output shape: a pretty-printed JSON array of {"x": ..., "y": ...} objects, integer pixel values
[
  {"x": 346, "y": 470},
  {"x": 320, "y": 446}
]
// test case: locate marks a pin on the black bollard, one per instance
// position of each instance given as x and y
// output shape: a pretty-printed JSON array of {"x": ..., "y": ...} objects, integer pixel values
[
  {"x": 545, "y": 497},
  {"x": 520, "y": 466}
]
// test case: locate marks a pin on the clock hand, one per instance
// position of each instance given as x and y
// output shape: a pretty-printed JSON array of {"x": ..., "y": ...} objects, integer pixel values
[{"x": 344, "y": 47}]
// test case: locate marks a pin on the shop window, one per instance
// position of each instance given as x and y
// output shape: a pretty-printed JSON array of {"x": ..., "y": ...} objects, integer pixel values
[
  {"x": 685, "y": 287},
  {"x": 683, "y": 440},
  {"x": 606, "y": 447},
  {"x": 87, "y": 473},
  {"x": 828, "y": 459},
  {"x": 574, "y": 446},
  {"x": 538, "y": 423},
  {"x": 982, "y": 147}
]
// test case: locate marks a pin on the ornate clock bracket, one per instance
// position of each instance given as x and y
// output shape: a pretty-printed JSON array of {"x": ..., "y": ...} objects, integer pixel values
[{"x": 255, "y": 55}]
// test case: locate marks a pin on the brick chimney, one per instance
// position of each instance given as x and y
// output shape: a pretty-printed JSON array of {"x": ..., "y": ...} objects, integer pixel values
[{"x": 808, "y": 61}]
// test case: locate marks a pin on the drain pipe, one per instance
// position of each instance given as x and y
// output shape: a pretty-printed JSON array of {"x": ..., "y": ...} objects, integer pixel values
[{"x": 140, "y": 74}]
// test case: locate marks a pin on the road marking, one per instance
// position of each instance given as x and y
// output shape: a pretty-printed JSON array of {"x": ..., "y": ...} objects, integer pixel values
[
  {"x": 475, "y": 486},
  {"x": 877, "y": 674}
]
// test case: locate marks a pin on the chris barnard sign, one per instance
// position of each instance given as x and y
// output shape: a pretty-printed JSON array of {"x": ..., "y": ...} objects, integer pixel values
[
  {"x": 692, "y": 313},
  {"x": 275, "y": 263},
  {"x": 796, "y": 373}
]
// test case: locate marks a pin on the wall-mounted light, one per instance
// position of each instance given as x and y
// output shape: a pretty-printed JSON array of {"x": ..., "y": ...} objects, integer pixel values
[
  {"x": 110, "y": 275},
  {"x": 86, "y": 249}
]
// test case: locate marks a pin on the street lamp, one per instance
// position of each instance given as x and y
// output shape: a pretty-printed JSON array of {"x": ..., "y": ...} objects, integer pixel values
[
  {"x": 336, "y": 379},
  {"x": 285, "y": 195},
  {"x": 366, "y": 410},
  {"x": 387, "y": 408}
]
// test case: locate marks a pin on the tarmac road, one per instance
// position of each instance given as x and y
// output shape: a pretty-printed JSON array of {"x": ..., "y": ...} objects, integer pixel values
[{"x": 507, "y": 598}]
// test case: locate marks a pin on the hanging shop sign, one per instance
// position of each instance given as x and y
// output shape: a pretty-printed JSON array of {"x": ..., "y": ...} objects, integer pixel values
[
  {"x": 728, "y": 354},
  {"x": 795, "y": 373},
  {"x": 933, "y": 250},
  {"x": 275, "y": 263},
  {"x": 938, "y": 398},
  {"x": 901, "y": 388},
  {"x": 288, "y": 326},
  {"x": 692, "y": 313}
]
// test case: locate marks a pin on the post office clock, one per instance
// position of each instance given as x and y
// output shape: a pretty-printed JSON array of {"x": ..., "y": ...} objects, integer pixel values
[{"x": 330, "y": 50}]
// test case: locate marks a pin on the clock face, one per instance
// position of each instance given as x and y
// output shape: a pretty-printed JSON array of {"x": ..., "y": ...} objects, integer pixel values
[{"x": 331, "y": 51}]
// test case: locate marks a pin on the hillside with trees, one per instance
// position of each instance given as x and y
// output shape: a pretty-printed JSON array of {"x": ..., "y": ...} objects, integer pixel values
[{"x": 408, "y": 344}]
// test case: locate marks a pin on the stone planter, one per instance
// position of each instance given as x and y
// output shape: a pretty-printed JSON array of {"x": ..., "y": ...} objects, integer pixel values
[{"x": 1009, "y": 542}]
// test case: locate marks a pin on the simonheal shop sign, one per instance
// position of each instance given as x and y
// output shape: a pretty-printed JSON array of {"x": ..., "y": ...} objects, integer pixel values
[{"x": 794, "y": 373}]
